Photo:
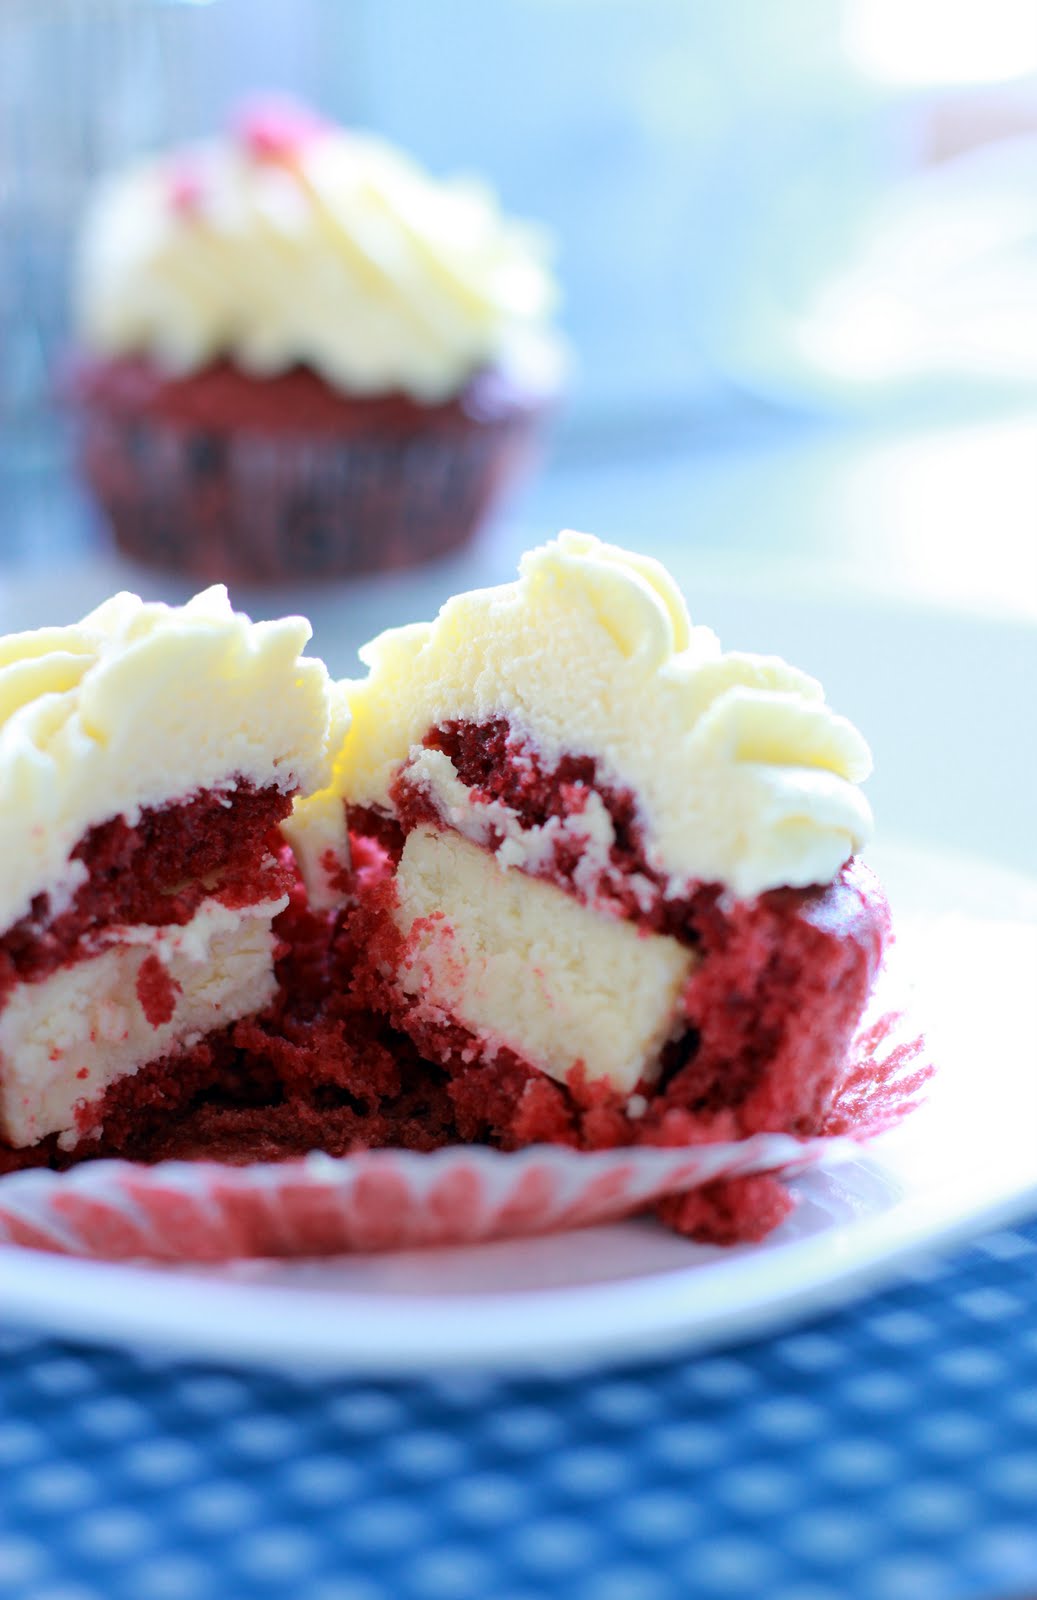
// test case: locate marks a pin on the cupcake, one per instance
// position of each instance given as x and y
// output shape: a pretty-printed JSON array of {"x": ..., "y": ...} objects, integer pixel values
[
  {"x": 558, "y": 912},
  {"x": 301, "y": 357},
  {"x": 622, "y": 899}
]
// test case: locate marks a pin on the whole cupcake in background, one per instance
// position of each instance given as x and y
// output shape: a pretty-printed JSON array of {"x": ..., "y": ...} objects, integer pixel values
[{"x": 299, "y": 356}]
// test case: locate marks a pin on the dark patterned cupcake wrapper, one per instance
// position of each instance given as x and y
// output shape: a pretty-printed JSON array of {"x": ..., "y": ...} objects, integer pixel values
[{"x": 239, "y": 505}]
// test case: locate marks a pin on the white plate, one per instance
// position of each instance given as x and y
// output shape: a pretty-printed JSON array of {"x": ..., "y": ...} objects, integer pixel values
[{"x": 632, "y": 1290}]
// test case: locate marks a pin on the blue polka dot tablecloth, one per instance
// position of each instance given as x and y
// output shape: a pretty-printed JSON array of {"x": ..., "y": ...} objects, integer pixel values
[{"x": 886, "y": 1453}]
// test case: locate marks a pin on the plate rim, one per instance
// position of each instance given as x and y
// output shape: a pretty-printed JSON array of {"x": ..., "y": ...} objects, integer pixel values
[{"x": 418, "y": 1335}]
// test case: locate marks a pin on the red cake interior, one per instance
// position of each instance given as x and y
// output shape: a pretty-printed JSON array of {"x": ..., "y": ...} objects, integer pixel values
[
  {"x": 314, "y": 1072},
  {"x": 156, "y": 871},
  {"x": 770, "y": 1006}
]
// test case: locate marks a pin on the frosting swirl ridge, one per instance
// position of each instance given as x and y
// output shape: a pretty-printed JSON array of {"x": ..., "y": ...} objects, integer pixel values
[
  {"x": 136, "y": 704},
  {"x": 742, "y": 773},
  {"x": 294, "y": 242}
]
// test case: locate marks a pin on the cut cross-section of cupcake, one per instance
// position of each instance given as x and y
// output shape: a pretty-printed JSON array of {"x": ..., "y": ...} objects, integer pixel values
[
  {"x": 148, "y": 756},
  {"x": 618, "y": 862},
  {"x": 523, "y": 962}
]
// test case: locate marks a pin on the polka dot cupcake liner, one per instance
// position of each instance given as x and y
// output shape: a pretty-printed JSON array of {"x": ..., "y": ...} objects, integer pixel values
[{"x": 391, "y": 1199}]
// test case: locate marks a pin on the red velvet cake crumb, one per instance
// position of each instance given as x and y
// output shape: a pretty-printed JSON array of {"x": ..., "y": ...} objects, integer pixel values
[
  {"x": 730, "y": 1211},
  {"x": 498, "y": 766},
  {"x": 156, "y": 991},
  {"x": 220, "y": 400},
  {"x": 747, "y": 1066}
]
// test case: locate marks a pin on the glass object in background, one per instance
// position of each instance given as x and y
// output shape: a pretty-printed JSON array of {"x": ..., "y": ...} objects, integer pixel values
[{"x": 83, "y": 84}]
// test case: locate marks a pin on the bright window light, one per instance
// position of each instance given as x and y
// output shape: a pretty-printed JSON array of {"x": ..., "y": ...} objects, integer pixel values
[{"x": 943, "y": 41}]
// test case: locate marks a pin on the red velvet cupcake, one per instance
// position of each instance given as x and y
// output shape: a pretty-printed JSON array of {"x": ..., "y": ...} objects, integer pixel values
[
  {"x": 301, "y": 358},
  {"x": 602, "y": 937}
]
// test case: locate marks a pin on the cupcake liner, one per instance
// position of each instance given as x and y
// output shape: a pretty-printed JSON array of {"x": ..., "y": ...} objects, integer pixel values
[
  {"x": 237, "y": 504},
  {"x": 202, "y": 1211}
]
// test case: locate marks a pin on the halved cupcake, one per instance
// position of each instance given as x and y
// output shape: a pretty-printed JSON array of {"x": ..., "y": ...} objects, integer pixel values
[
  {"x": 620, "y": 899},
  {"x": 604, "y": 891},
  {"x": 148, "y": 758}
]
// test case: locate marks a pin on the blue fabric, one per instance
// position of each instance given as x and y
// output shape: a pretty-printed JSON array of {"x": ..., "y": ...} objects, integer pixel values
[{"x": 887, "y": 1453}]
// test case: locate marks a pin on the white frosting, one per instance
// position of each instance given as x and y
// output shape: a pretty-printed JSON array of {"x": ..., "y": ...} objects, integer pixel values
[
  {"x": 142, "y": 705},
  {"x": 64, "y": 1040},
  {"x": 741, "y": 772},
  {"x": 328, "y": 248},
  {"x": 526, "y": 966}
]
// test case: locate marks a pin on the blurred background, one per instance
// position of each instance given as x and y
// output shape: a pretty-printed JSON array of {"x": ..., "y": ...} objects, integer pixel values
[{"x": 797, "y": 243}]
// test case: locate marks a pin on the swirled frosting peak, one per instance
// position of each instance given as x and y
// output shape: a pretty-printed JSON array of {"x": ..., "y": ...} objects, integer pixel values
[
  {"x": 292, "y": 241},
  {"x": 741, "y": 773},
  {"x": 145, "y": 705}
]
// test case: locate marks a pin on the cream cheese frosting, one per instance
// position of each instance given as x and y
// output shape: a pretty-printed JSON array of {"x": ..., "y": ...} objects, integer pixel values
[
  {"x": 291, "y": 241},
  {"x": 742, "y": 774},
  {"x": 139, "y": 705}
]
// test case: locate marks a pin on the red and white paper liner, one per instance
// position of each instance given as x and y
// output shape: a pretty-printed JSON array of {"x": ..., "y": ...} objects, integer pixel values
[{"x": 198, "y": 1211}]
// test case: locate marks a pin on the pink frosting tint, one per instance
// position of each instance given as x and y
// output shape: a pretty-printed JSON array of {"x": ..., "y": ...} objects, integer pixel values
[
  {"x": 276, "y": 129},
  {"x": 185, "y": 189}
]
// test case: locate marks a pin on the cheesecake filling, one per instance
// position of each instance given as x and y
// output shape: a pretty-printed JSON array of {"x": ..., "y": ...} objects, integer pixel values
[
  {"x": 528, "y": 967},
  {"x": 146, "y": 993}
]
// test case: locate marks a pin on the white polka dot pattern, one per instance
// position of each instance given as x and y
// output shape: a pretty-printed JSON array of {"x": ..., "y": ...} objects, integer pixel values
[{"x": 886, "y": 1453}]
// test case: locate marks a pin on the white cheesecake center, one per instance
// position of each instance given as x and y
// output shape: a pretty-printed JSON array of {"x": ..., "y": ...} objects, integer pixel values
[
  {"x": 64, "y": 1040},
  {"x": 524, "y": 965}
]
